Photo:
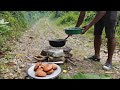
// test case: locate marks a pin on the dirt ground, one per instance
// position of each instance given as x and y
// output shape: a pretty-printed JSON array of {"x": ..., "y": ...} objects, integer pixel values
[{"x": 16, "y": 63}]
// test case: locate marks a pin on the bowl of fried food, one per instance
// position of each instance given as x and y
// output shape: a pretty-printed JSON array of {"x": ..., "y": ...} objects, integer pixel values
[{"x": 44, "y": 71}]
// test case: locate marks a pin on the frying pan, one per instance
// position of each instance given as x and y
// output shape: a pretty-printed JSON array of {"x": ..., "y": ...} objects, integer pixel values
[{"x": 58, "y": 42}]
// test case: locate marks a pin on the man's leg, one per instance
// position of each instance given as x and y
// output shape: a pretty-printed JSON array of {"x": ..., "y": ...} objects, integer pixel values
[
  {"x": 110, "y": 34},
  {"x": 97, "y": 44},
  {"x": 111, "y": 43},
  {"x": 98, "y": 28}
]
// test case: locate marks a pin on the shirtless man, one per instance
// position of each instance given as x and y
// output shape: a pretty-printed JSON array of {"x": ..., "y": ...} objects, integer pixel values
[{"x": 102, "y": 19}]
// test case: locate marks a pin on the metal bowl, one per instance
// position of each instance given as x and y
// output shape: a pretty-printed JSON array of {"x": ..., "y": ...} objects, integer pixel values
[{"x": 75, "y": 30}]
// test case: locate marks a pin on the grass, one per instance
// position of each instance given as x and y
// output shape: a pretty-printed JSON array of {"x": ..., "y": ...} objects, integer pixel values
[{"x": 86, "y": 76}]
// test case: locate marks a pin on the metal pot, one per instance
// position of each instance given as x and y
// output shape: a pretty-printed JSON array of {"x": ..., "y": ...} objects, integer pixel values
[
  {"x": 57, "y": 42},
  {"x": 75, "y": 30}
]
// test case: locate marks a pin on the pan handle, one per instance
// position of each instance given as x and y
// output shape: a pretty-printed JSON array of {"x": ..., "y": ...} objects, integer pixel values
[{"x": 67, "y": 37}]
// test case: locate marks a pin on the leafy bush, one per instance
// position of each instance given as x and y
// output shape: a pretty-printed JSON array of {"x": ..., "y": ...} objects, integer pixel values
[
  {"x": 18, "y": 22},
  {"x": 69, "y": 18}
]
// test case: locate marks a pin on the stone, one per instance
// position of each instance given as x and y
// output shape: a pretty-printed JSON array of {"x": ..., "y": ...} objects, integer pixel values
[
  {"x": 56, "y": 52},
  {"x": 10, "y": 74},
  {"x": 22, "y": 65},
  {"x": 67, "y": 50},
  {"x": 55, "y": 59},
  {"x": 105, "y": 51},
  {"x": 18, "y": 70},
  {"x": 119, "y": 53},
  {"x": 27, "y": 77},
  {"x": 44, "y": 52},
  {"x": 69, "y": 68}
]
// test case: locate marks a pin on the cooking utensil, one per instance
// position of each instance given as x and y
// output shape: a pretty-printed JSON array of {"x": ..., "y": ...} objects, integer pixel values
[
  {"x": 67, "y": 37},
  {"x": 75, "y": 30},
  {"x": 57, "y": 42}
]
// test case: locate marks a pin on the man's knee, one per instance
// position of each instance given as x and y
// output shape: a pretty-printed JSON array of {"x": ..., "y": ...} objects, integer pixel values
[
  {"x": 110, "y": 37},
  {"x": 97, "y": 36}
]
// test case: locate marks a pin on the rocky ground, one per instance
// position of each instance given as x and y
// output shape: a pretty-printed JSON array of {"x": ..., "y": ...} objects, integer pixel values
[{"x": 16, "y": 63}]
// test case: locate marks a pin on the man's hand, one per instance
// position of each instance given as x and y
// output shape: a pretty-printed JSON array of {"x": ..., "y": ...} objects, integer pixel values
[{"x": 85, "y": 28}]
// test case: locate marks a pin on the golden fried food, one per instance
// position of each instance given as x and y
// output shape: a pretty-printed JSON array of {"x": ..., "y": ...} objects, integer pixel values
[
  {"x": 50, "y": 72},
  {"x": 54, "y": 66},
  {"x": 43, "y": 64},
  {"x": 37, "y": 66},
  {"x": 42, "y": 69},
  {"x": 47, "y": 67},
  {"x": 40, "y": 73}
]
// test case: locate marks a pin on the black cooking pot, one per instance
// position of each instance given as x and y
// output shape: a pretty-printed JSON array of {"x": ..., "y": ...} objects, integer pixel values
[{"x": 57, "y": 42}]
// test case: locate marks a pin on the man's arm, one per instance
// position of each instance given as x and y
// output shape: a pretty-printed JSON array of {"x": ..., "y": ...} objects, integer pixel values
[
  {"x": 98, "y": 16},
  {"x": 80, "y": 19}
]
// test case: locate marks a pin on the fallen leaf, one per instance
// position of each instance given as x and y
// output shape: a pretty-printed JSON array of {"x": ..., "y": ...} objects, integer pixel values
[{"x": 19, "y": 55}]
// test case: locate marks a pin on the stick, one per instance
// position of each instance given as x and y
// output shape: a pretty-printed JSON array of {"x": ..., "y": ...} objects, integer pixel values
[{"x": 71, "y": 62}]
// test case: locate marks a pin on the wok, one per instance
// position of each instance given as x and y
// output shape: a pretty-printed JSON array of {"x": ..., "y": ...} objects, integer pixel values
[{"x": 58, "y": 42}]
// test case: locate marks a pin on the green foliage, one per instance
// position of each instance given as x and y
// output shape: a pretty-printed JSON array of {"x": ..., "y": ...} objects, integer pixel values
[
  {"x": 18, "y": 22},
  {"x": 32, "y": 16},
  {"x": 89, "y": 16},
  {"x": 5, "y": 34},
  {"x": 90, "y": 76},
  {"x": 87, "y": 76},
  {"x": 68, "y": 19},
  {"x": 15, "y": 18}
]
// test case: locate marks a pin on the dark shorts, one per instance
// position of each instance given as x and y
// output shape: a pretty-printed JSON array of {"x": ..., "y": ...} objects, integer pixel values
[{"x": 108, "y": 22}]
